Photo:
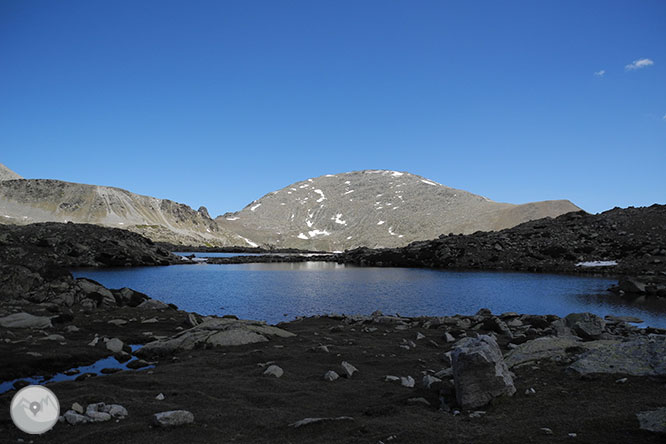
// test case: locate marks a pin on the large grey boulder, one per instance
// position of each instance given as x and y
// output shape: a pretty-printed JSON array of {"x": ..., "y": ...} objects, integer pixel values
[
  {"x": 550, "y": 347},
  {"x": 639, "y": 357},
  {"x": 479, "y": 372},
  {"x": 25, "y": 320},
  {"x": 214, "y": 332},
  {"x": 586, "y": 325},
  {"x": 653, "y": 421},
  {"x": 97, "y": 292}
]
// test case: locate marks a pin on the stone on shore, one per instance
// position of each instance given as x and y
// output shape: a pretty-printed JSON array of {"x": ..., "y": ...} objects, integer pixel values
[
  {"x": 586, "y": 325},
  {"x": 479, "y": 372}
]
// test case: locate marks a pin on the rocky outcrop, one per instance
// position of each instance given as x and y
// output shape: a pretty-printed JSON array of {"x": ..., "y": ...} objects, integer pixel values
[
  {"x": 480, "y": 372},
  {"x": 618, "y": 241},
  {"x": 653, "y": 420},
  {"x": 374, "y": 208},
  {"x": 638, "y": 357},
  {"x": 214, "y": 332}
]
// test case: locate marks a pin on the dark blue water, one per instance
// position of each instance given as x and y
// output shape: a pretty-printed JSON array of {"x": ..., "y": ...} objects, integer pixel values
[
  {"x": 282, "y": 291},
  {"x": 96, "y": 368}
]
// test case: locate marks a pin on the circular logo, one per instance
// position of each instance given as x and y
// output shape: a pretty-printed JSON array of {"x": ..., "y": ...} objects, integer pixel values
[{"x": 35, "y": 409}]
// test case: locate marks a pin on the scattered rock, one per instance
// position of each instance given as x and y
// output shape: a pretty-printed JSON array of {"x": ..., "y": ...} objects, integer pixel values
[
  {"x": 407, "y": 381},
  {"x": 160, "y": 397},
  {"x": 173, "y": 418},
  {"x": 78, "y": 408},
  {"x": 274, "y": 370},
  {"x": 586, "y": 325},
  {"x": 331, "y": 376},
  {"x": 347, "y": 369},
  {"x": 480, "y": 372},
  {"x": 74, "y": 418},
  {"x": 25, "y": 320},
  {"x": 115, "y": 345}
]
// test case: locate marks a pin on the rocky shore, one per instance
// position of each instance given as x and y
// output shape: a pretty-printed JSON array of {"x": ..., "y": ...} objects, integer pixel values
[{"x": 174, "y": 376}]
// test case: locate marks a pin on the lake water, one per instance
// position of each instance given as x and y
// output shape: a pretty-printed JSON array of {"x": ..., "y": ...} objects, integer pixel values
[{"x": 276, "y": 292}]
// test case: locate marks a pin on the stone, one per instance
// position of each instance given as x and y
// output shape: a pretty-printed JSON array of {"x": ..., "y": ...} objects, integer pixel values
[
  {"x": 137, "y": 364},
  {"x": 78, "y": 408},
  {"x": 586, "y": 325},
  {"x": 419, "y": 336},
  {"x": 331, "y": 375},
  {"x": 630, "y": 285},
  {"x": 116, "y": 411},
  {"x": 347, "y": 369},
  {"x": 72, "y": 329},
  {"x": 416, "y": 401},
  {"x": 59, "y": 338},
  {"x": 117, "y": 322},
  {"x": 74, "y": 418},
  {"x": 114, "y": 345},
  {"x": 448, "y": 337},
  {"x": 429, "y": 380},
  {"x": 479, "y": 372},
  {"x": 160, "y": 397},
  {"x": 407, "y": 381},
  {"x": 173, "y": 418},
  {"x": 214, "y": 332},
  {"x": 546, "y": 431},
  {"x": 25, "y": 320},
  {"x": 549, "y": 347},
  {"x": 96, "y": 412},
  {"x": 653, "y": 420},
  {"x": 96, "y": 292},
  {"x": 274, "y": 370},
  {"x": 639, "y": 357}
]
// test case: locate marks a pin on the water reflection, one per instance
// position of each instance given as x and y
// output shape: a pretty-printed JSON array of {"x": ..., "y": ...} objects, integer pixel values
[{"x": 268, "y": 291}]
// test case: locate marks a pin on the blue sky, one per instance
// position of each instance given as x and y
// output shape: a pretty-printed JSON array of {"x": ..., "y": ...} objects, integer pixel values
[{"x": 217, "y": 103}]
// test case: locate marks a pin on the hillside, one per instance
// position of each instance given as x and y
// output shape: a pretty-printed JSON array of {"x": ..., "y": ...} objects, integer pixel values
[
  {"x": 44, "y": 200},
  {"x": 7, "y": 174},
  {"x": 374, "y": 208}
]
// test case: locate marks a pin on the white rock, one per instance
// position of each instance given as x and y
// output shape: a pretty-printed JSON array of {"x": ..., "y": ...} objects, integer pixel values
[
  {"x": 274, "y": 370},
  {"x": 173, "y": 418}
]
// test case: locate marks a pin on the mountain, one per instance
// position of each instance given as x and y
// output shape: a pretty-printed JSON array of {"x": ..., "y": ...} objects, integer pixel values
[
  {"x": 7, "y": 174},
  {"x": 44, "y": 200},
  {"x": 374, "y": 208}
]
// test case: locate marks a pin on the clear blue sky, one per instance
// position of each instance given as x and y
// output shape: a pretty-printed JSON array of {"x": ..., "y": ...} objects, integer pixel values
[{"x": 217, "y": 102}]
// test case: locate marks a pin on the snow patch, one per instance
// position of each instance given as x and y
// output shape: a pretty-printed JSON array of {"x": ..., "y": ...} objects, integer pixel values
[
  {"x": 428, "y": 182},
  {"x": 249, "y": 242},
  {"x": 314, "y": 233},
  {"x": 597, "y": 264},
  {"x": 396, "y": 173},
  {"x": 304, "y": 186},
  {"x": 347, "y": 182},
  {"x": 381, "y": 222},
  {"x": 330, "y": 175},
  {"x": 233, "y": 218},
  {"x": 338, "y": 219},
  {"x": 302, "y": 236},
  {"x": 347, "y": 192},
  {"x": 321, "y": 193},
  {"x": 255, "y": 207},
  {"x": 309, "y": 223},
  {"x": 349, "y": 237}
]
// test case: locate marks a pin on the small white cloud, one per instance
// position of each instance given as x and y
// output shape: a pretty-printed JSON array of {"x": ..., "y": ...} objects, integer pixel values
[
  {"x": 637, "y": 64},
  {"x": 664, "y": 116},
  {"x": 600, "y": 73}
]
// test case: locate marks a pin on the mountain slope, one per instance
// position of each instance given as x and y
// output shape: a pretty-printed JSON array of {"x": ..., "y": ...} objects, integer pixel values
[
  {"x": 7, "y": 174},
  {"x": 44, "y": 200},
  {"x": 374, "y": 208}
]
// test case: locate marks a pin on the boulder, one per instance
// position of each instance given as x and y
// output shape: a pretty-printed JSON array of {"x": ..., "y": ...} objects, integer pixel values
[
  {"x": 550, "y": 347},
  {"x": 274, "y": 370},
  {"x": 653, "y": 421},
  {"x": 347, "y": 369},
  {"x": 74, "y": 418},
  {"x": 115, "y": 345},
  {"x": 213, "y": 332},
  {"x": 480, "y": 372},
  {"x": 173, "y": 418},
  {"x": 331, "y": 376},
  {"x": 586, "y": 325},
  {"x": 639, "y": 357},
  {"x": 97, "y": 292},
  {"x": 153, "y": 304},
  {"x": 631, "y": 285},
  {"x": 25, "y": 320}
]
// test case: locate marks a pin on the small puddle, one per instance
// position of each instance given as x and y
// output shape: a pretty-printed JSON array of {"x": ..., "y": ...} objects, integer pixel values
[{"x": 73, "y": 373}]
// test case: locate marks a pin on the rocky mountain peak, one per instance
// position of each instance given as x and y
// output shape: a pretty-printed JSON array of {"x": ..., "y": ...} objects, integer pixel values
[{"x": 7, "y": 174}]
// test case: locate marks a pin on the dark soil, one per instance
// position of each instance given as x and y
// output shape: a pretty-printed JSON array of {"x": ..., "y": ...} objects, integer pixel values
[{"x": 234, "y": 402}]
